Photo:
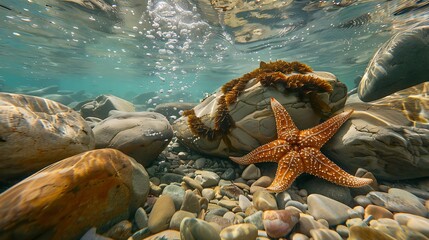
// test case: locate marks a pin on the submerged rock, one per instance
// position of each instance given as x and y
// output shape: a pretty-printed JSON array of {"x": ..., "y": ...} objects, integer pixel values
[
  {"x": 238, "y": 118},
  {"x": 400, "y": 63},
  {"x": 141, "y": 135},
  {"x": 103, "y": 104},
  {"x": 388, "y": 137},
  {"x": 94, "y": 189},
  {"x": 35, "y": 132}
]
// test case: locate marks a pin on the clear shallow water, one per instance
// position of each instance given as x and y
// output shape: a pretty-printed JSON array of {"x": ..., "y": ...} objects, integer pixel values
[{"x": 182, "y": 49}]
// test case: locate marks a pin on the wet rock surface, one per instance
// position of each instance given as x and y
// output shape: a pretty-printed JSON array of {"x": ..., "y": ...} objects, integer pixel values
[{"x": 36, "y": 132}]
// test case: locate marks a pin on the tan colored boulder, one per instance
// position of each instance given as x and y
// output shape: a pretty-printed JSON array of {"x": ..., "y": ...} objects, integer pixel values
[
  {"x": 141, "y": 135},
  {"x": 238, "y": 118},
  {"x": 64, "y": 200},
  {"x": 388, "y": 137},
  {"x": 36, "y": 132}
]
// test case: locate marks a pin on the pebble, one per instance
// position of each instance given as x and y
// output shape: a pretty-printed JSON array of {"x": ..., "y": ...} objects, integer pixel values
[
  {"x": 356, "y": 222},
  {"x": 91, "y": 234},
  {"x": 166, "y": 234},
  {"x": 360, "y": 210},
  {"x": 333, "y": 211},
  {"x": 223, "y": 183},
  {"x": 168, "y": 178},
  {"x": 161, "y": 214},
  {"x": 176, "y": 193},
  {"x": 416, "y": 223},
  {"x": 330, "y": 190},
  {"x": 192, "y": 183},
  {"x": 300, "y": 206},
  {"x": 193, "y": 228},
  {"x": 263, "y": 200},
  {"x": 228, "y": 204},
  {"x": 362, "y": 200},
  {"x": 120, "y": 231},
  {"x": 307, "y": 222},
  {"x": 208, "y": 193},
  {"x": 229, "y": 174},
  {"x": 343, "y": 231},
  {"x": 279, "y": 223},
  {"x": 221, "y": 221},
  {"x": 191, "y": 202},
  {"x": 141, "y": 218},
  {"x": 244, "y": 231},
  {"x": 367, "y": 233},
  {"x": 377, "y": 212},
  {"x": 200, "y": 163},
  {"x": 230, "y": 216},
  {"x": 244, "y": 202},
  {"x": 255, "y": 219},
  {"x": 398, "y": 200},
  {"x": 207, "y": 178},
  {"x": 183, "y": 155},
  {"x": 260, "y": 184},
  {"x": 178, "y": 217},
  {"x": 282, "y": 198},
  {"x": 251, "y": 172},
  {"x": 241, "y": 185},
  {"x": 231, "y": 191},
  {"x": 324, "y": 234},
  {"x": 298, "y": 236}
]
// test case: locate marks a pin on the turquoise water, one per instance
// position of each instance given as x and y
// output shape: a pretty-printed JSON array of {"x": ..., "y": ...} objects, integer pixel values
[{"x": 183, "y": 49}]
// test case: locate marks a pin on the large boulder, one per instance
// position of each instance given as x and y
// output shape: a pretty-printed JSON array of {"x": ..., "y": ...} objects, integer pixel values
[
  {"x": 141, "y": 135},
  {"x": 400, "y": 63},
  {"x": 103, "y": 104},
  {"x": 98, "y": 189},
  {"x": 35, "y": 132},
  {"x": 388, "y": 137},
  {"x": 238, "y": 118}
]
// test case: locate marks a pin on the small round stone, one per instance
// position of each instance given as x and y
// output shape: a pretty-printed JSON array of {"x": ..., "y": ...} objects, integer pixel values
[
  {"x": 278, "y": 223},
  {"x": 263, "y": 200},
  {"x": 161, "y": 214},
  {"x": 178, "y": 217},
  {"x": 251, "y": 172},
  {"x": 244, "y": 231},
  {"x": 176, "y": 193},
  {"x": 377, "y": 212},
  {"x": 325, "y": 234},
  {"x": 208, "y": 193},
  {"x": 193, "y": 228},
  {"x": 141, "y": 218},
  {"x": 244, "y": 202},
  {"x": 255, "y": 219}
]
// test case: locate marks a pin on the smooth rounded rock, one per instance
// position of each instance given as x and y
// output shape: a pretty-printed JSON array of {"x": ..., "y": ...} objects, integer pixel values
[
  {"x": 307, "y": 223},
  {"x": 377, "y": 212},
  {"x": 207, "y": 178},
  {"x": 141, "y": 218},
  {"x": 387, "y": 137},
  {"x": 141, "y": 135},
  {"x": 190, "y": 202},
  {"x": 398, "y": 64},
  {"x": 398, "y": 200},
  {"x": 120, "y": 231},
  {"x": 263, "y": 200},
  {"x": 322, "y": 207},
  {"x": 161, "y": 214},
  {"x": 177, "y": 218},
  {"x": 244, "y": 202},
  {"x": 365, "y": 233},
  {"x": 279, "y": 223},
  {"x": 106, "y": 185},
  {"x": 244, "y": 231},
  {"x": 103, "y": 104},
  {"x": 251, "y": 172},
  {"x": 255, "y": 219},
  {"x": 166, "y": 234},
  {"x": 254, "y": 121},
  {"x": 36, "y": 132},
  {"x": 176, "y": 193},
  {"x": 195, "y": 229},
  {"x": 325, "y": 234},
  {"x": 416, "y": 223}
]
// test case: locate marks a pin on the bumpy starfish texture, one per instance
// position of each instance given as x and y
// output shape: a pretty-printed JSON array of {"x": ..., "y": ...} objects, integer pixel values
[{"x": 298, "y": 151}]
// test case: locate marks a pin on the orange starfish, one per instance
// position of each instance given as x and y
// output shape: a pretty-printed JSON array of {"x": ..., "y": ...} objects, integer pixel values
[{"x": 298, "y": 151}]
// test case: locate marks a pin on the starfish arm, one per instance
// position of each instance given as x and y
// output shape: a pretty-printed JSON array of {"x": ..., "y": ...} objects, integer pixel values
[
  {"x": 270, "y": 152},
  {"x": 290, "y": 167},
  {"x": 286, "y": 128},
  {"x": 319, "y": 165},
  {"x": 317, "y": 136}
]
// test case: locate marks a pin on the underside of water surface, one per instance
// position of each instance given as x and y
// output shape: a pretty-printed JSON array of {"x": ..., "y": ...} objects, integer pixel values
[{"x": 181, "y": 50}]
